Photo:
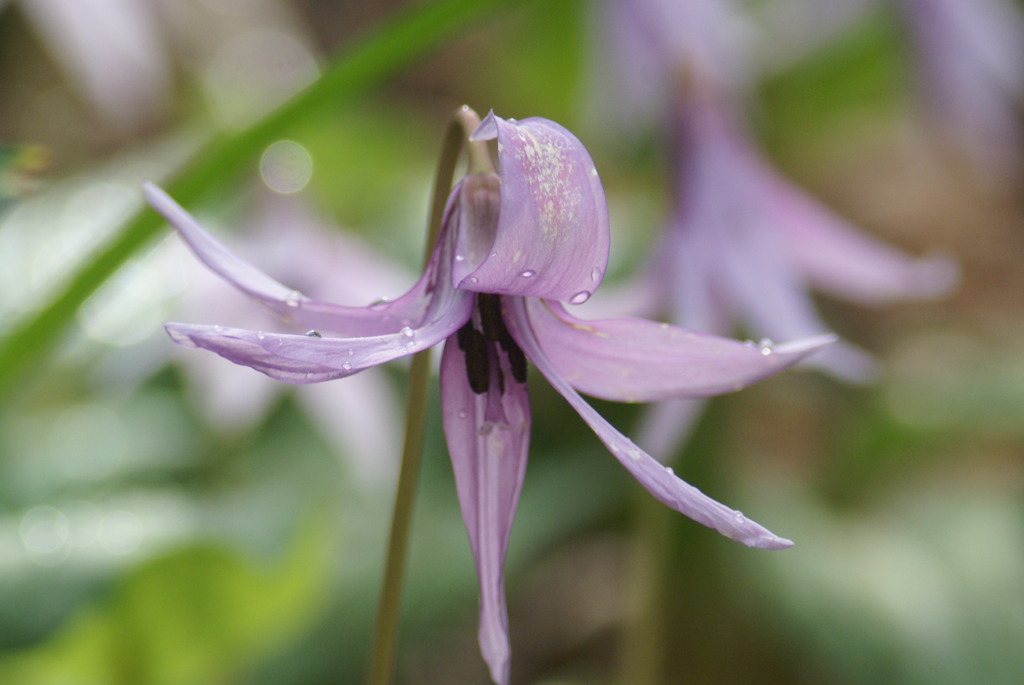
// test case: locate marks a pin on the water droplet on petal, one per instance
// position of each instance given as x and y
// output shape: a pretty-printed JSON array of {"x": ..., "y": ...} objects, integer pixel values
[
  {"x": 260, "y": 335},
  {"x": 346, "y": 366},
  {"x": 595, "y": 274},
  {"x": 473, "y": 279},
  {"x": 463, "y": 414},
  {"x": 313, "y": 334},
  {"x": 351, "y": 351},
  {"x": 669, "y": 471},
  {"x": 529, "y": 273},
  {"x": 511, "y": 120},
  {"x": 766, "y": 346},
  {"x": 740, "y": 518},
  {"x": 460, "y": 258},
  {"x": 635, "y": 453},
  {"x": 409, "y": 334},
  {"x": 580, "y": 297},
  {"x": 593, "y": 171},
  {"x": 293, "y": 299}
]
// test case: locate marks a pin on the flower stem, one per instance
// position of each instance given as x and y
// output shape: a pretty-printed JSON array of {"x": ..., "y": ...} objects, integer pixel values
[{"x": 382, "y": 658}]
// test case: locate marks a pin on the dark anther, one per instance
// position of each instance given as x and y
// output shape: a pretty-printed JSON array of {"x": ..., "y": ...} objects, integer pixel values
[
  {"x": 462, "y": 337},
  {"x": 493, "y": 324},
  {"x": 489, "y": 306},
  {"x": 478, "y": 368},
  {"x": 517, "y": 360}
]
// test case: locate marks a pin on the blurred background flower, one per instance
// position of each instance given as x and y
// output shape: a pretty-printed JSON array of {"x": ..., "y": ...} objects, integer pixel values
[{"x": 134, "y": 511}]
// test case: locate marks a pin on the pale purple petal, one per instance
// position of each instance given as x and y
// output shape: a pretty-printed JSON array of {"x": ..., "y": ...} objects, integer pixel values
[
  {"x": 659, "y": 480},
  {"x": 732, "y": 211},
  {"x": 113, "y": 50},
  {"x": 488, "y": 438},
  {"x": 552, "y": 236},
  {"x": 306, "y": 359},
  {"x": 665, "y": 426},
  {"x": 694, "y": 297},
  {"x": 636, "y": 360},
  {"x": 971, "y": 55},
  {"x": 644, "y": 45},
  {"x": 841, "y": 261},
  {"x": 377, "y": 319},
  {"x": 771, "y": 297}
]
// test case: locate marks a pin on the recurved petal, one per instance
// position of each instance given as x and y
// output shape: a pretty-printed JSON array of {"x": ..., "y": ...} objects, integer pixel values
[
  {"x": 377, "y": 319},
  {"x": 659, "y": 480},
  {"x": 636, "y": 360},
  {"x": 552, "y": 236},
  {"x": 488, "y": 437},
  {"x": 838, "y": 259},
  {"x": 310, "y": 359}
]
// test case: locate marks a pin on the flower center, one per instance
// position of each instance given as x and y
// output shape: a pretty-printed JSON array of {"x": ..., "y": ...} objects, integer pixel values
[{"x": 491, "y": 353}]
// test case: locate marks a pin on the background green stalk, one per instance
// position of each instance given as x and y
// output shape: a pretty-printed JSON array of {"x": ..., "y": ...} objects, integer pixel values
[{"x": 644, "y": 640}]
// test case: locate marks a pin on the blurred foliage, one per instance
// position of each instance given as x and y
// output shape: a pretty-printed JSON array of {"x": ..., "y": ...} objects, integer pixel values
[
  {"x": 18, "y": 167},
  {"x": 860, "y": 75},
  {"x": 194, "y": 615}
]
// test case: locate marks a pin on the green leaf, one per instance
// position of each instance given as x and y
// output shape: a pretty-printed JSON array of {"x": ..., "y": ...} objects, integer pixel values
[
  {"x": 18, "y": 167},
  {"x": 192, "y": 616},
  {"x": 367, "y": 63}
]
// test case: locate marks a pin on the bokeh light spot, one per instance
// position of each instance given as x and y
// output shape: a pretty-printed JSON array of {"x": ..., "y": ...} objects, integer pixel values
[
  {"x": 286, "y": 167},
  {"x": 46, "y": 534}
]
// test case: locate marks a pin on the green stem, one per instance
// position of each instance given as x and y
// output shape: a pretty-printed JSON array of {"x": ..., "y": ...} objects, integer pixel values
[
  {"x": 367, "y": 62},
  {"x": 385, "y": 630},
  {"x": 643, "y": 644},
  {"x": 382, "y": 657}
]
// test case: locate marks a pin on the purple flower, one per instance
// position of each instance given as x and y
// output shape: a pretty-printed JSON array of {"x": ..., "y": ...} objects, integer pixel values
[
  {"x": 113, "y": 50},
  {"x": 643, "y": 44},
  {"x": 745, "y": 246},
  {"x": 513, "y": 248},
  {"x": 971, "y": 58}
]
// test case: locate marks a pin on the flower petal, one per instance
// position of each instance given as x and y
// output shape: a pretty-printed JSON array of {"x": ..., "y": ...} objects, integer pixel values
[
  {"x": 730, "y": 209},
  {"x": 839, "y": 260},
  {"x": 971, "y": 58},
  {"x": 636, "y": 360},
  {"x": 552, "y": 237},
  {"x": 488, "y": 438},
  {"x": 659, "y": 480},
  {"x": 115, "y": 53},
  {"x": 305, "y": 359},
  {"x": 377, "y": 319},
  {"x": 664, "y": 427}
]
